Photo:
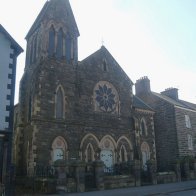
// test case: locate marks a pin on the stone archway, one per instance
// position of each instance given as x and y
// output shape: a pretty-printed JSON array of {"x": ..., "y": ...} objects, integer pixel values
[
  {"x": 108, "y": 151},
  {"x": 59, "y": 149},
  {"x": 89, "y": 148},
  {"x": 124, "y": 149}
]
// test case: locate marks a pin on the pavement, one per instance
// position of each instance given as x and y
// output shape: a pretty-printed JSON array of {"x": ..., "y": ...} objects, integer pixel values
[
  {"x": 186, "y": 188},
  {"x": 152, "y": 190}
]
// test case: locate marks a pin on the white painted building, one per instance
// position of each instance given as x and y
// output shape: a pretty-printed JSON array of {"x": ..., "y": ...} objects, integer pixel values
[{"x": 9, "y": 51}]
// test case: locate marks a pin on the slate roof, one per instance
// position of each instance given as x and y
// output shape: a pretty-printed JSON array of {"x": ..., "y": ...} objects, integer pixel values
[
  {"x": 138, "y": 103},
  {"x": 178, "y": 102},
  {"x": 104, "y": 53},
  {"x": 18, "y": 49},
  {"x": 48, "y": 5}
]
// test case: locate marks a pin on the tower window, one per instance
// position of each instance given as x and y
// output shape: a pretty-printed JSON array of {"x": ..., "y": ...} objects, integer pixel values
[
  {"x": 30, "y": 109},
  {"x": 35, "y": 49},
  {"x": 59, "y": 104},
  {"x": 59, "y": 50},
  {"x": 72, "y": 49},
  {"x": 31, "y": 53},
  {"x": 51, "y": 47},
  {"x": 68, "y": 48}
]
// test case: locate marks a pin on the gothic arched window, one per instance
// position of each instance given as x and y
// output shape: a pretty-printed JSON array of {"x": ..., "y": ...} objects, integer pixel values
[
  {"x": 145, "y": 150},
  {"x": 59, "y": 149},
  {"x": 89, "y": 153},
  {"x": 68, "y": 48},
  {"x": 143, "y": 127},
  {"x": 34, "y": 49},
  {"x": 123, "y": 154},
  {"x": 59, "y": 49},
  {"x": 59, "y": 103},
  {"x": 72, "y": 49},
  {"x": 29, "y": 109},
  {"x": 31, "y": 53},
  {"x": 51, "y": 46}
]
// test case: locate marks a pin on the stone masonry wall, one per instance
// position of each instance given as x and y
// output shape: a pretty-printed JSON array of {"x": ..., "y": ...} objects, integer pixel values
[
  {"x": 183, "y": 131},
  {"x": 165, "y": 131}
]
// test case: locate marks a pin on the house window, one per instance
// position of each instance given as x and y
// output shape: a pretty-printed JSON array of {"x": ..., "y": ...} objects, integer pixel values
[
  {"x": 190, "y": 142},
  {"x": 187, "y": 121},
  {"x": 59, "y": 103},
  {"x": 51, "y": 47}
]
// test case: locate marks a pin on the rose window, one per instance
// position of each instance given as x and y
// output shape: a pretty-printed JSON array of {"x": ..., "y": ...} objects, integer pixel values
[{"x": 105, "y": 98}]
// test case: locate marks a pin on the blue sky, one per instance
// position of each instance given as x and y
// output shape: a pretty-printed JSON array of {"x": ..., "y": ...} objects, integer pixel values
[{"x": 154, "y": 38}]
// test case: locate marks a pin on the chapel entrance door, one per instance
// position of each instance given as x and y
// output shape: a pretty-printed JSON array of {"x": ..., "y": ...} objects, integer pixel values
[
  {"x": 107, "y": 158},
  {"x": 58, "y": 154},
  {"x": 144, "y": 160}
]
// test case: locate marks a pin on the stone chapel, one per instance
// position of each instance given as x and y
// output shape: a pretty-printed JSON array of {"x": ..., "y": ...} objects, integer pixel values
[{"x": 76, "y": 110}]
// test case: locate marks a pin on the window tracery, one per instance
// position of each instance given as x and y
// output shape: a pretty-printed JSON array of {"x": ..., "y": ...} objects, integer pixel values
[
  {"x": 59, "y": 149},
  {"x": 106, "y": 98}
]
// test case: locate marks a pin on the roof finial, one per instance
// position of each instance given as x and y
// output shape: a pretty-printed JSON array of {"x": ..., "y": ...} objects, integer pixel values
[{"x": 102, "y": 42}]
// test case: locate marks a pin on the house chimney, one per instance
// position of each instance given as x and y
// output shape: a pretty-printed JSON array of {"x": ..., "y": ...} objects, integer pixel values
[
  {"x": 142, "y": 86},
  {"x": 171, "y": 92}
]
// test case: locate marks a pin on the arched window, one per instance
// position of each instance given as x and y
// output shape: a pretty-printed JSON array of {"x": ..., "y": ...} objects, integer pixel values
[
  {"x": 59, "y": 149},
  {"x": 143, "y": 127},
  {"x": 89, "y": 148},
  {"x": 89, "y": 154},
  {"x": 72, "y": 49},
  {"x": 107, "y": 153},
  {"x": 31, "y": 53},
  {"x": 145, "y": 149},
  {"x": 35, "y": 49},
  {"x": 51, "y": 46},
  {"x": 123, "y": 156},
  {"x": 59, "y": 103},
  {"x": 59, "y": 50},
  {"x": 29, "y": 109},
  {"x": 68, "y": 48}
]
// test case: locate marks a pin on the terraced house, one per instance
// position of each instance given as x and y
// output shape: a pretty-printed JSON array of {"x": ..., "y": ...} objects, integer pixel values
[
  {"x": 9, "y": 51},
  {"x": 175, "y": 124}
]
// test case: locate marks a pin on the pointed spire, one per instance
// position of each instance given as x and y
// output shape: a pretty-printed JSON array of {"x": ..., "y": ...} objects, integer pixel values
[
  {"x": 53, "y": 34},
  {"x": 56, "y": 11}
]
